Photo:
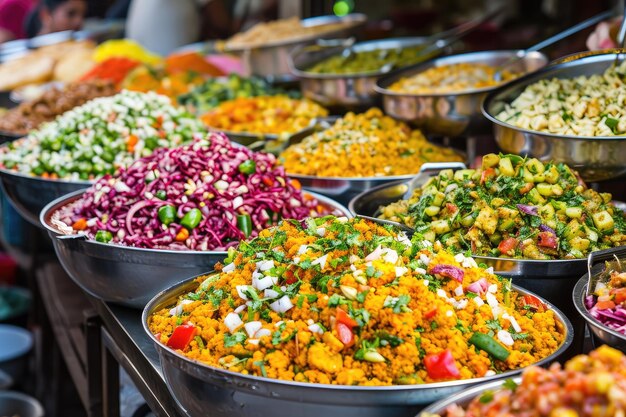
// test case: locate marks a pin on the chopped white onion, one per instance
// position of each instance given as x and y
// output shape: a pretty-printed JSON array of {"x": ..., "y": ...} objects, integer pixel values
[
  {"x": 375, "y": 254},
  {"x": 252, "y": 327},
  {"x": 262, "y": 333},
  {"x": 479, "y": 301},
  {"x": 265, "y": 265},
  {"x": 321, "y": 231},
  {"x": 232, "y": 321},
  {"x": 266, "y": 282},
  {"x": 493, "y": 288},
  {"x": 401, "y": 270},
  {"x": 459, "y": 257},
  {"x": 458, "y": 290},
  {"x": 282, "y": 305},
  {"x": 177, "y": 311},
  {"x": 270, "y": 293},
  {"x": 315, "y": 328},
  {"x": 302, "y": 249},
  {"x": 425, "y": 259},
  {"x": 490, "y": 372},
  {"x": 513, "y": 322},
  {"x": 505, "y": 337},
  {"x": 240, "y": 308},
  {"x": 241, "y": 289},
  {"x": 390, "y": 256},
  {"x": 229, "y": 268},
  {"x": 321, "y": 261},
  {"x": 253, "y": 341}
]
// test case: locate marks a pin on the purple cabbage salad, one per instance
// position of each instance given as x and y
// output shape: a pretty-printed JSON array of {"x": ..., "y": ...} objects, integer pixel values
[
  {"x": 607, "y": 304},
  {"x": 207, "y": 195}
]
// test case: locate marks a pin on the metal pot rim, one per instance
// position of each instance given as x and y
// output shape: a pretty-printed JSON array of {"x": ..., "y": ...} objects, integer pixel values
[
  {"x": 384, "y": 82},
  {"x": 578, "y": 296},
  {"x": 28, "y": 177},
  {"x": 527, "y": 79},
  {"x": 385, "y": 178},
  {"x": 148, "y": 310},
  {"x": 54, "y": 205},
  {"x": 354, "y": 19}
]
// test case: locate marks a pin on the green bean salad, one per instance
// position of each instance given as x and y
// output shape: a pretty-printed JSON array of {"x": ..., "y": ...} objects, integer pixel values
[{"x": 100, "y": 136}]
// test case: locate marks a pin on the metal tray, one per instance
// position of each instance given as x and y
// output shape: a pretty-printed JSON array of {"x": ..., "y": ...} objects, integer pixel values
[
  {"x": 450, "y": 114},
  {"x": 200, "y": 389},
  {"x": 29, "y": 194},
  {"x": 125, "y": 274},
  {"x": 271, "y": 59},
  {"x": 595, "y": 158},
  {"x": 344, "y": 90}
]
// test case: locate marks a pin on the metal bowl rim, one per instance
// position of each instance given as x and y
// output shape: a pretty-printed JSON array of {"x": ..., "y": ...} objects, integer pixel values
[
  {"x": 578, "y": 295},
  {"x": 421, "y": 67},
  {"x": 147, "y": 311},
  {"x": 491, "y": 258},
  {"x": 394, "y": 178},
  {"x": 354, "y": 20},
  {"x": 73, "y": 196},
  {"x": 301, "y": 73},
  {"x": 523, "y": 79},
  {"x": 28, "y": 177}
]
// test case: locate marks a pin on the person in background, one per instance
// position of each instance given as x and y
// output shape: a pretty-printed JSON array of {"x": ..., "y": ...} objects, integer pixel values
[
  {"x": 56, "y": 16},
  {"x": 13, "y": 14}
]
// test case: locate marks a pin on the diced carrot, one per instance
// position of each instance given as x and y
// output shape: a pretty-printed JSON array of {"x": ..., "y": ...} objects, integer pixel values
[
  {"x": 605, "y": 305},
  {"x": 296, "y": 184},
  {"x": 80, "y": 224},
  {"x": 131, "y": 142},
  {"x": 182, "y": 235}
]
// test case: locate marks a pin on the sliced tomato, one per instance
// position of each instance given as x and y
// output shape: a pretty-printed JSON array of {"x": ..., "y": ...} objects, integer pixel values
[
  {"x": 533, "y": 302},
  {"x": 620, "y": 295},
  {"x": 430, "y": 314},
  {"x": 452, "y": 208},
  {"x": 290, "y": 277},
  {"x": 182, "y": 336},
  {"x": 507, "y": 245},
  {"x": 605, "y": 305},
  {"x": 487, "y": 174},
  {"x": 441, "y": 365},
  {"x": 547, "y": 240},
  {"x": 342, "y": 317},
  {"x": 345, "y": 334}
]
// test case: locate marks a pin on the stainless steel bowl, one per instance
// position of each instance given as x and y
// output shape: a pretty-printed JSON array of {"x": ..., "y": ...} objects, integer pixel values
[
  {"x": 344, "y": 90},
  {"x": 29, "y": 194},
  {"x": 124, "y": 274},
  {"x": 601, "y": 333},
  {"x": 13, "y": 403},
  {"x": 462, "y": 398},
  {"x": 345, "y": 189},
  {"x": 200, "y": 389},
  {"x": 450, "y": 114},
  {"x": 595, "y": 158},
  {"x": 553, "y": 279},
  {"x": 271, "y": 59}
]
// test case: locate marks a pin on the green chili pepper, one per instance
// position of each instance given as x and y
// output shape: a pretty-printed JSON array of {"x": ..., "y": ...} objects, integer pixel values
[
  {"x": 167, "y": 214},
  {"x": 515, "y": 159},
  {"x": 103, "y": 236},
  {"x": 161, "y": 195},
  {"x": 191, "y": 219},
  {"x": 247, "y": 167},
  {"x": 489, "y": 345},
  {"x": 244, "y": 223}
]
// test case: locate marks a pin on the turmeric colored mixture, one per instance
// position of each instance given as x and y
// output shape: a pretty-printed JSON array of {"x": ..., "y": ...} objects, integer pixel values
[
  {"x": 353, "y": 302},
  {"x": 453, "y": 78},
  {"x": 264, "y": 114},
  {"x": 369, "y": 144}
]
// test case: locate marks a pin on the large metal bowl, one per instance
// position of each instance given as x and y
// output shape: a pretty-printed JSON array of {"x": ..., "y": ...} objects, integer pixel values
[
  {"x": 553, "y": 279},
  {"x": 450, "y": 114},
  {"x": 601, "y": 334},
  {"x": 462, "y": 398},
  {"x": 124, "y": 274},
  {"x": 29, "y": 194},
  {"x": 201, "y": 390},
  {"x": 271, "y": 59},
  {"x": 354, "y": 91},
  {"x": 595, "y": 158}
]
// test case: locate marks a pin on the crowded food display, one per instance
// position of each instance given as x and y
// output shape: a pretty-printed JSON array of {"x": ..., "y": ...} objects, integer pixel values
[
  {"x": 352, "y": 302},
  {"x": 435, "y": 220}
]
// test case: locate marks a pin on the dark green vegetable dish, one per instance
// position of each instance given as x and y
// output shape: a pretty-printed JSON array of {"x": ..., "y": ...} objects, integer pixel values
[
  {"x": 369, "y": 61},
  {"x": 513, "y": 207}
]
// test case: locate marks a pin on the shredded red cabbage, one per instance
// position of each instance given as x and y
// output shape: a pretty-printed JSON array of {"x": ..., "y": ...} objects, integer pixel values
[
  {"x": 206, "y": 175},
  {"x": 531, "y": 210},
  {"x": 613, "y": 318},
  {"x": 448, "y": 271}
]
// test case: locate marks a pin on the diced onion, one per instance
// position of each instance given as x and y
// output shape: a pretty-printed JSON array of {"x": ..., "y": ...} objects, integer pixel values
[
  {"x": 505, "y": 337},
  {"x": 252, "y": 327},
  {"x": 232, "y": 321},
  {"x": 282, "y": 305}
]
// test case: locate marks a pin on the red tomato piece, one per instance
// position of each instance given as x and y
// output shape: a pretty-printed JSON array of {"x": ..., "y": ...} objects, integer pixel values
[
  {"x": 290, "y": 277},
  {"x": 547, "y": 240},
  {"x": 488, "y": 173},
  {"x": 507, "y": 245},
  {"x": 441, "y": 365},
  {"x": 345, "y": 334},
  {"x": 452, "y": 208},
  {"x": 342, "y": 317},
  {"x": 533, "y": 302},
  {"x": 605, "y": 305},
  {"x": 430, "y": 314},
  {"x": 620, "y": 295},
  {"x": 182, "y": 336}
]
